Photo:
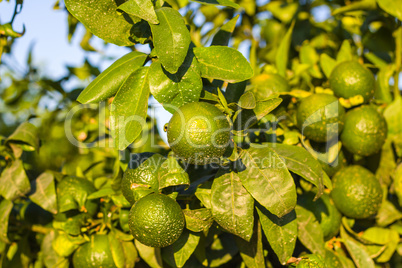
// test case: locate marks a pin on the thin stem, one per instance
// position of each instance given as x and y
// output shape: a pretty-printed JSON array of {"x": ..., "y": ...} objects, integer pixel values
[{"x": 16, "y": 11}]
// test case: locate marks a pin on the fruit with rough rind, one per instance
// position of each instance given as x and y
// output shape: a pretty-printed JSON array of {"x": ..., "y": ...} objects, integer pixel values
[
  {"x": 365, "y": 131},
  {"x": 144, "y": 173},
  {"x": 325, "y": 212},
  {"x": 94, "y": 254},
  {"x": 356, "y": 192},
  {"x": 349, "y": 79},
  {"x": 320, "y": 117},
  {"x": 156, "y": 220},
  {"x": 198, "y": 133}
]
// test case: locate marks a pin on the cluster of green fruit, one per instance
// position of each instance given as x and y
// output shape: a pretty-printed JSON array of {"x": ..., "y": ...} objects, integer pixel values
[{"x": 356, "y": 192}]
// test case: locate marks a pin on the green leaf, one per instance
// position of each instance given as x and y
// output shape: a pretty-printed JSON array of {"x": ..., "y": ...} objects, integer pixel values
[
  {"x": 308, "y": 55},
  {"x": 388, "y": 214},
  {"x": 301, "y": 162},
  {"x": 280, "y": 232},
  {"x": 232, "y": 205},
  {"x": 360, "y": 257},
  {"x": 283, "y": 11},
  {"x": 393, "y": 7},
  {"x": 172, "y": 174},
  {"x": 180, "y": 251},
  {"x": 247, "y": 118},
  {"x": 282, "y": 55},
  {"x": 117, "y": 250},
  {"x": 393, "y": 115},
  {"x": 309, "y": 231},
  {"x": 130, "y": 253},
  {"x": 175, "y": 90},
  {"x": 387, "y": 237},
  {"x": 106, "y": 191},
  {"x": 226, "y": 3},
  {"x": 63, "y": 245},
  {"x": 152, "y": 256},
  {"x": 382, "y": 91},
  {"x": 26, "y": 135},
  {"x": 327, "y": 64},
  {"x": 5, "y": 208},
  {"x": 223, "y": 63},
  {"x": 268, "y": 180},
  {"x": 44, "y": 194},
  {"x": 171, "y": 38},
  {"x": 398, "y": 183},
  {"x": 252, "y": 252},
  {"x": 222, "y": 37},
  {"x": 102, "y": 19},
  {"x": 345, "y": 52},
  {"x": 356, "y": 6},
  {"x": 247, "y": 101},
  {"x": 110, "y": 80},
  {"x": 14, "y": 181},
  {"x": 204, "y": 195},
  {"x": 198, "y": 220},
  {"x": 129, "y": 109},
  {"x": 143, "y": 9}
]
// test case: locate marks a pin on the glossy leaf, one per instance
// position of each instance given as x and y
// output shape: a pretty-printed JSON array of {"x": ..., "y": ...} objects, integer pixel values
[
  {"x": 301, "y": 162},
  {"x": 172, "y": 174},
  {"x": 232, "y": 205},
  {"x": 198, "y": 220},
  {"x": 204, "y": 195},
  {"x": 309, "y": 231},
  {"x": 5, "y": 208},
  {"x": 130, "y": 253},
  {"x": 392, "y": 7},
  {"x": 152, "y": 256},
  {"x": 226, "y": 3},
  {"x": 26, "y": 135},
  {"x": 110, "y": 80},
  {"x": 360, "y": 257},
  {"x": 393, "y": 115},
  {"x": 383, "y": 91},
  {"x": 282, "y": 54},
  {"x": 252, "y": 252},
  {"x": 223, "y": 63},
  {"x": 234, "y": 91},
  {"x": 180, "y": 251},
  {"x": 327, "y": 64},
  {"x": 175, "y": 90},
  {"x": 102, "y": 19},
  {"x": 14, "y": 181},
  {"x": 171, "y": 38},
  {"x": 44, "y": 194},
  {"x": 268, "y": 180},
  {"x": 143, "y": 9},
  {"x": 247, "y": 101},
  {"x": 222, "y": 37},
  {"x": 247, "y": 118},
  {"x": 129, "y": 109},
  {"x": 345, "y": 52},
  {"x": 388, "y": 213},
  {"x": 281, "y": 233},
  {"x": 383, "y": 236}
]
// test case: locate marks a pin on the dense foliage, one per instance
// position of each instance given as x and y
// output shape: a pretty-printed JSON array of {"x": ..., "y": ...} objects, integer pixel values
[{"x": 69, "y": 158}]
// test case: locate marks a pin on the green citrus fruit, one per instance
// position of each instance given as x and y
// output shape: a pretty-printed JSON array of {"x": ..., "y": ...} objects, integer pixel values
[
  {"x": 325, "y": 212},
  {"x": 349, "y": 79},
  {"x": 72, "y": 194},
  {"x": 365, "y": 131},
  {"x": 198, "y": 133},
  {"x": 320, "y": 117},
  {"x": 265, "y": 85},
  {"x": 96, "y": 253},
  {"x": 156, "y": 220},
  {"x": 356, "y": 192},
  {"x": 144, "y": 172}
]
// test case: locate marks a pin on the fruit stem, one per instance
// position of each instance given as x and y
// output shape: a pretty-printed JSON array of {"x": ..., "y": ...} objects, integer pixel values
[{"x": 40, "y": 229}]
